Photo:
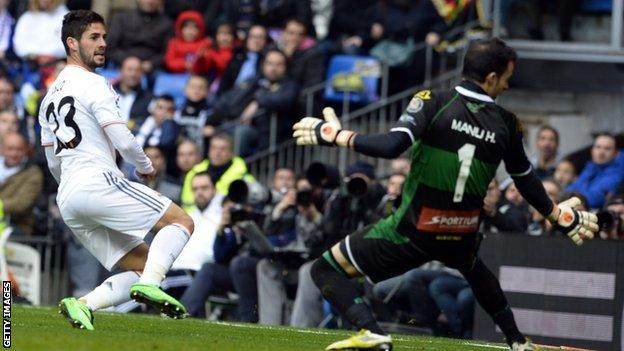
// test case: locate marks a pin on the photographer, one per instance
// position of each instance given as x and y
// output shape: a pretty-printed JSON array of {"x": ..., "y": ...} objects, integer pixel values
[
  {"x": 278, "y": 275},
  {"x": 353, "y": 204},
  {"x": 234, "y": 266},
  {"x": 279, "y": 223},
  {"x": 612, "y": 219}
]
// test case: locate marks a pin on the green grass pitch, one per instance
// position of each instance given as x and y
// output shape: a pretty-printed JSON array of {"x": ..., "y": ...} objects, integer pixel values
[{"x": 42, "y": 329}]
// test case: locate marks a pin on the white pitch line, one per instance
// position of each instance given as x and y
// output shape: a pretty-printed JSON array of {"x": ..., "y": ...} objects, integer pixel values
[{"x": 321, "y": 332}]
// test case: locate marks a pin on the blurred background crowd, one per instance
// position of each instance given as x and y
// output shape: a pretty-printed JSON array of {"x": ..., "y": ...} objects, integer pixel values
[{"x": 204, "y": 85}]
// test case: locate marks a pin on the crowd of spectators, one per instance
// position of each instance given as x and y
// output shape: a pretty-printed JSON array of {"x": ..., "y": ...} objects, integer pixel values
[{"x": 247, "y": 60}]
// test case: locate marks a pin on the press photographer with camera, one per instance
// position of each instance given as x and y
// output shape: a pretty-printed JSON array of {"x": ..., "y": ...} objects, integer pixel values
[
  {"x": 611, "y": 219},
  {"x": 234, "y": 266},
  {"x": 278, "y": 276},
  {"x": 279, "y": 222},
  {"x": 352, "y": 205}
]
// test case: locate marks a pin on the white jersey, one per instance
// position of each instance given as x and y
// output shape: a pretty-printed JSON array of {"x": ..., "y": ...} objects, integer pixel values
[{"x": 72, "y": 116}]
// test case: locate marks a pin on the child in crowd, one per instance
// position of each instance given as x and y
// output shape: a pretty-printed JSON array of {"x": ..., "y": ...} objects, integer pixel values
[
  {"x": 214, "y": 59},
  {"x": 189, "y": 38},
  {"x": 194, "y": 115}
]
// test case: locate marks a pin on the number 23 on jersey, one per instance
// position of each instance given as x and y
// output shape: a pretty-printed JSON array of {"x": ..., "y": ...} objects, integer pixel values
[{"x": 66, "y": 130}]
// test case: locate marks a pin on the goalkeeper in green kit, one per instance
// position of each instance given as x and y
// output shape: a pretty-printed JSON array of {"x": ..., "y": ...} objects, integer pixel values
[{"x": 457, "y": 139}]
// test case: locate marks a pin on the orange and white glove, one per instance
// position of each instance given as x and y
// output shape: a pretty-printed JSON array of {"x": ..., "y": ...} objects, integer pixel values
[
  {"x": 577, "y": 225},
  {"x": 315, "y": 131}
]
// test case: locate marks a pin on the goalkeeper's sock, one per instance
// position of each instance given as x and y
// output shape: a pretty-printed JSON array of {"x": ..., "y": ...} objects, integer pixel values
[
  {"x": 165, "y": 248},
  {"x": 343, "y": 294},
  {"x": 488, "y": 292},
  {"x": 112, "y": 292},
  {"x": 505, "y": 320}
]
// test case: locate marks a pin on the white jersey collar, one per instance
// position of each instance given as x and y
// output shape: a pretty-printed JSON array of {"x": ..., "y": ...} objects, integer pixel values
[{"x": 471, "y": 94}]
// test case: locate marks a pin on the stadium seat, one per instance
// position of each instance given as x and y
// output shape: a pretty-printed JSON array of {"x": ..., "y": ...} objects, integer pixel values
[
  {"x": 24, "y": 262},
  {"x": 597, "y": 6},
  {"x": 357, "y": 76},
  {"x": 172, "y": 84}
]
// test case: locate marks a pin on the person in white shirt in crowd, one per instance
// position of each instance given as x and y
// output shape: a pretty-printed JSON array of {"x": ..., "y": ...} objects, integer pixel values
[{"x": 37, "y": 32}]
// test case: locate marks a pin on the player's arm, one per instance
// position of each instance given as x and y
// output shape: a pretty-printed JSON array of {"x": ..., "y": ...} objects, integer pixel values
[
  {"x": 578, "y": 225},
  {"x": 413, "y": 121},
  {"x": 128, "y": 147},
  {"x": 53, "y": 162}
]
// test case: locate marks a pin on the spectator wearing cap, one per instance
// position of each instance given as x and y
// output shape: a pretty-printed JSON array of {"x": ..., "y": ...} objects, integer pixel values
[{"x": 603, "y": 174}]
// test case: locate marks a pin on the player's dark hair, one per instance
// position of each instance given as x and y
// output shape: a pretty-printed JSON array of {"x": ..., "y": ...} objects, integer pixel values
[
  {"x": 486, "y": 56},
  {"x": 549, "y": 128},
  {"x": 76, "y": 22}
]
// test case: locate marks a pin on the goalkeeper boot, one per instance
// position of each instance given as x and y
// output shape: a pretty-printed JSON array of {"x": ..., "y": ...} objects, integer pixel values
[
  {"x": 526, "y": 346},
  {"x": 78, "y": 314},
  {"x": 364, "y": 340},
  {"x": 160, "y": 300}
]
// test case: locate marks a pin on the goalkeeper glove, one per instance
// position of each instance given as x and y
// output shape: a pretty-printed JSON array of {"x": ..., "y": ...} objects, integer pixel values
[
  {"x": 315, "y": 131},
  {"x": 578, "y": 225}
]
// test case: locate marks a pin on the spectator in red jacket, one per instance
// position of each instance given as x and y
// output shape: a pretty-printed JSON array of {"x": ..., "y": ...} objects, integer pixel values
[
  {"x": 216, "y": 58},
  {"x": 189, "y": 38}
]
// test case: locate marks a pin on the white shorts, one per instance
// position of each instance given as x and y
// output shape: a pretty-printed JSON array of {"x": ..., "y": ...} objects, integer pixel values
[{"x": 111, "y": 215}]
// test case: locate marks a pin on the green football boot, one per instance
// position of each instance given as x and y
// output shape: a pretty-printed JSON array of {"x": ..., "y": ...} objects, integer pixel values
[
  {"x": 78, "y": 314},
  {"x": 160, "y": 300},
  {"x": 364, "y": 340}
]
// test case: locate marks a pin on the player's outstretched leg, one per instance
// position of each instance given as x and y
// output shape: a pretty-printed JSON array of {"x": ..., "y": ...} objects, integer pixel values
[
  {"x": 113, "y": 291},
  {"x": 339, "y": 290},
  {"x": 175, "y": 230},
  {"x": 488, "y": 292}
]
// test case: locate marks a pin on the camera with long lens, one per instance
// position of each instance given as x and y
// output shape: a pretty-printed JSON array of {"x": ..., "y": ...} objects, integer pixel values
[
  {"x": 238, "y": 192},
  {"x": 304, "y": 198},
  {"x": 323, "y": 175},
  {"x": 356, "y": 186}
]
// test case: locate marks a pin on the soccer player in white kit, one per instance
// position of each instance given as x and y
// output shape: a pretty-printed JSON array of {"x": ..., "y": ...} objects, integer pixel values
[{"x": 81, "y": 127}]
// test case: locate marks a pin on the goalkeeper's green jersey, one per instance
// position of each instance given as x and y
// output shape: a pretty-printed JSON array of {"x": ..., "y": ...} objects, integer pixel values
[{"x": 459, "y": 139}]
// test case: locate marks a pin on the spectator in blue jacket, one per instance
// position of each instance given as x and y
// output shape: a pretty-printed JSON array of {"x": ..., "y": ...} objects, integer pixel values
[{"x": 603, "y": 174}]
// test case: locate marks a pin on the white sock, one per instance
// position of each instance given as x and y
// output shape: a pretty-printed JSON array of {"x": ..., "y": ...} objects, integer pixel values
[
  {"x": 112, "y": 292},
  {"x": 165, "y": 248}
]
